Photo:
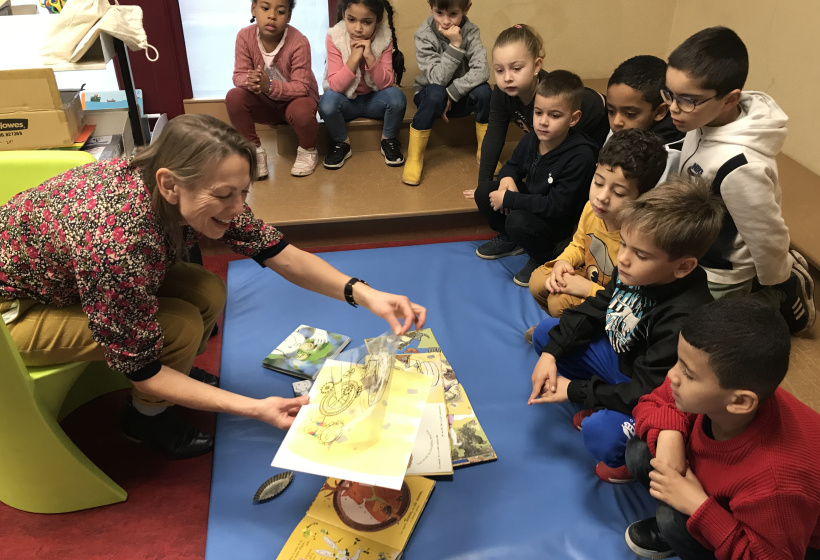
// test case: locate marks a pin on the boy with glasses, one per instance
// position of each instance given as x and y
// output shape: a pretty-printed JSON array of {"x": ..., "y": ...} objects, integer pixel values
[{"x": 732, "y": 138}]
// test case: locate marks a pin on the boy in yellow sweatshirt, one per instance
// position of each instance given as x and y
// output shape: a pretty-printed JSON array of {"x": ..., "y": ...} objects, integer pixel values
[{"x": 629, "y": 164}]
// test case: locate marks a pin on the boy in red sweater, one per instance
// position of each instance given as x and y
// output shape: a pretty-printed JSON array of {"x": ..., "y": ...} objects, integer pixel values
[{"x": 735, "y": 468}]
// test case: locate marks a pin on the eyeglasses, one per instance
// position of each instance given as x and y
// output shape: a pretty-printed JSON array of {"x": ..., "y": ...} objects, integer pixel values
[{"x": 685, "y": 104}]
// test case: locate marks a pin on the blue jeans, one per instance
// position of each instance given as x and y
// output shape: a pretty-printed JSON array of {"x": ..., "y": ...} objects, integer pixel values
[
  {"x": 432, "y": 100},
  {"x": 388, "y": 104},
  {"x": 606, "y": 431}
]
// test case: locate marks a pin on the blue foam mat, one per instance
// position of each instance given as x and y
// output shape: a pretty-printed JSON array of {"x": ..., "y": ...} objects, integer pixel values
[{"x": 540, "y": 499}]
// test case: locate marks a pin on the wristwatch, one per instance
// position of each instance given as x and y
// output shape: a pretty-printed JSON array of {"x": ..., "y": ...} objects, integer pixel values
[{"x": 349, "y": 291}]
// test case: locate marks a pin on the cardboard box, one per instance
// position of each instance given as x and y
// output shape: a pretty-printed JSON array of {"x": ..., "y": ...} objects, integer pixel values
[{"x": 34, "y": 113}]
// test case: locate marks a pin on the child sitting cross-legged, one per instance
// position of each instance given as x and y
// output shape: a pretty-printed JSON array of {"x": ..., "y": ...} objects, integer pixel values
[
  {"x": 730, "y": 457},
  {"x": 619, "y": 344},
  {"x": 629, "y": 164}
]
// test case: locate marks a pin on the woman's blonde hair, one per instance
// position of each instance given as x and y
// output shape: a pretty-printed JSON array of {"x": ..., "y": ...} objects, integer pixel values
[
  {"x": 189, "y": 147},
  {"x": 521, "y": 32}
]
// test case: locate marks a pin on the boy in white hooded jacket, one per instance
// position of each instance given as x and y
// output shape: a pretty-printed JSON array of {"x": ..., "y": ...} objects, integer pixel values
[{"x": 732, "y": 138}]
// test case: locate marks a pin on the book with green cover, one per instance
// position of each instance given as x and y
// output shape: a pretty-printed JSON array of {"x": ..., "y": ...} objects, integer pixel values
[{"x": 304, "y": 351}]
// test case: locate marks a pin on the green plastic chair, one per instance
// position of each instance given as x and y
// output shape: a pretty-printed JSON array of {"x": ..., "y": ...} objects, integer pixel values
[{"x": 41, "y": 470}]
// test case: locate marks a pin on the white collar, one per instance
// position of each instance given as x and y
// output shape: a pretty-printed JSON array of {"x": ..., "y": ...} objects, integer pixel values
[{"x": 278, "y": 47}]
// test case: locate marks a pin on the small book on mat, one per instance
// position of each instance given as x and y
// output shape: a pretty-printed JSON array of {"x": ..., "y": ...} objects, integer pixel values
[
  {"x": 358, "y": 521},
  {"x": 304, "y": 351}
]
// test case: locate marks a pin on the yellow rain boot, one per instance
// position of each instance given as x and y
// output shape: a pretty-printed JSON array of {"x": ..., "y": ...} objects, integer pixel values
[
  {"x": 415, "y": 156},
  {"x": 480, "y": 131}
]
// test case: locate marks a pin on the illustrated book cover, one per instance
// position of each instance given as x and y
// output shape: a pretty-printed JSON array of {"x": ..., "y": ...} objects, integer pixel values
[
  {"x": 361, "y": 422},
  {"x": 304, "y": 351},
  {"x": 354, "y": 521}
]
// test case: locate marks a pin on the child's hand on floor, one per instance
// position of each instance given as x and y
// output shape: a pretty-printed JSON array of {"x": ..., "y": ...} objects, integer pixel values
[
  {"x": 556, "y": 281},
  {"x": 469, "y": 194},
  {"x": 560, "y": 394},
  {"x": 544, "y": 378},
  {"x": 685, "y": 494}
]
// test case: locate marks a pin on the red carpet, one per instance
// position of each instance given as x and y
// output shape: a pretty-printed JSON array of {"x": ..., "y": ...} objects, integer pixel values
[{"x": 166, "y": 514}]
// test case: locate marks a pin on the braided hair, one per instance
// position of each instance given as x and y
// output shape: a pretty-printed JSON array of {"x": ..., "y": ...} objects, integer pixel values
[{"x": 379, "y": 7}]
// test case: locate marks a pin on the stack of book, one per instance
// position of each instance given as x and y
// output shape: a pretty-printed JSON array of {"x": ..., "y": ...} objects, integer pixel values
[{"x": 380, "y": 418}]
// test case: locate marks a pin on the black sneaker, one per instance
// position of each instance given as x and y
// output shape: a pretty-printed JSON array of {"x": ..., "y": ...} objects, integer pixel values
[
  {"x": 797, "y": 305},
  {"x": 391, "y": 150},
  {"x": 645, "y": 540},
  {"x": 498, "y": 247},
  {"x": 167, "y": 432},
  {"x": 522, "y": 277},
  {"x": 339, "y": 154},
  {"x": 201, "y": 375}
]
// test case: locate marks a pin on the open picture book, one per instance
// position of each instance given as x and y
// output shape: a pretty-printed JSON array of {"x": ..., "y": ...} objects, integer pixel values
[
  {"x": 354, "y": 521},
  {"x": 468, "y": 442},
  {"x": 360, "y": 424}
]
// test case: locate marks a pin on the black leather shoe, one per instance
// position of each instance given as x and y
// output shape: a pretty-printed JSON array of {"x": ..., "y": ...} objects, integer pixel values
[
  {"x": 645, "y": 540},
  {"x": 201, "y": 375},
  {"x": 167, "y": 432}
]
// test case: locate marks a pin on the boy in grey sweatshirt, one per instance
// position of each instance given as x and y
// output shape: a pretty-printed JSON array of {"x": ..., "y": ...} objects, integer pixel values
[{"x": 453, "y": 79}]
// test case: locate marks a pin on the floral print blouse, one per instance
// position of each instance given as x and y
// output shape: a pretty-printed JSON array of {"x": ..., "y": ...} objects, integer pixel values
[{"x": 89, "y": 236}]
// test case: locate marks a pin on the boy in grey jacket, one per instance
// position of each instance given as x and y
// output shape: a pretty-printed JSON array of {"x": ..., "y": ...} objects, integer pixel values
[{"x": 453, "y": 79}]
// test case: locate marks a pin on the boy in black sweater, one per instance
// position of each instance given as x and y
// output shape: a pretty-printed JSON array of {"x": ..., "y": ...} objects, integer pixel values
[
  {"x": 619, "y": 344},
  {"x": 540, "y": 192}
]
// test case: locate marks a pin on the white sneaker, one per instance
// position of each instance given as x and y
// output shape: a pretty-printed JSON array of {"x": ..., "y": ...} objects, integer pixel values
[
  {"x": 306, "y": 161},
  {"x": 261, "y": 163}
]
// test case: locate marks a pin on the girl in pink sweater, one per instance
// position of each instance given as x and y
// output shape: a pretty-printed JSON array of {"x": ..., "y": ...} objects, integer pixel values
[
  {"x": 274, "y": 83},
  {"x": 362, "y": 58}
]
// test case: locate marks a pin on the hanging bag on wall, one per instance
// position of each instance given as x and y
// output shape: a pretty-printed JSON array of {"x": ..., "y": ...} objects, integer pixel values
[
  {"x": 121, "y": 22},
  {"x": 72, "y": 24}
]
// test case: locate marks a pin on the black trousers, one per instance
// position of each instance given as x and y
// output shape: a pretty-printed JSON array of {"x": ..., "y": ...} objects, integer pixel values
[
  {"x": 541, "y": 239},
  {"x": 671, "y": 522}
]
